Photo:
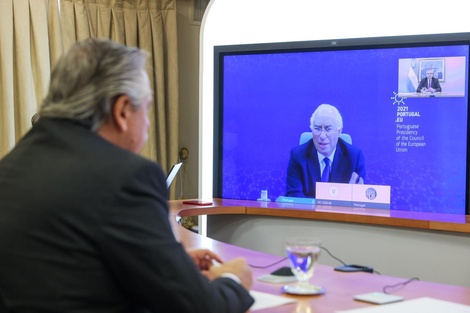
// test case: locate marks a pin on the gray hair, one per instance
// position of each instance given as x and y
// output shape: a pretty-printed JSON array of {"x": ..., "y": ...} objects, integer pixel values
[
  {"x": 328, "y": 108},
  {"x": 89, "y": 78}
]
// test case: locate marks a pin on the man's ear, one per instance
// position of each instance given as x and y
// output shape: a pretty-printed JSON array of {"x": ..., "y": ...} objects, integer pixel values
[{"x": 120, "y": 112}]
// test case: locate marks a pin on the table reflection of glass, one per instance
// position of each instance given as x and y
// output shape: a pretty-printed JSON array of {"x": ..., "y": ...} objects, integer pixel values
[{"x": 303, "y": 307}]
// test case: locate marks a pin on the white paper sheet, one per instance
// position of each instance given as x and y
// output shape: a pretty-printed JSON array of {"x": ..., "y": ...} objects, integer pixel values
[
  {"x": 266, "y": 300},
  {"x": 420, "y": 305}
]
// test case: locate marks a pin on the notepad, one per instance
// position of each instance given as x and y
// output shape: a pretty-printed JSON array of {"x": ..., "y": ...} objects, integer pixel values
[
  {"x": 265, "y": 300},
  {"x": 420, "y": 305}
]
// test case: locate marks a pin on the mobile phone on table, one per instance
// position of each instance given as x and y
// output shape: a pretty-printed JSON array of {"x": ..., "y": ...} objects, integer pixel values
[{"x": 197, "y": 202}]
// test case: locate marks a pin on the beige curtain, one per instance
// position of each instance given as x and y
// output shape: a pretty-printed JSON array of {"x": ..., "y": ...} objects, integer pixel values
[
  {"x": 31, "y": 39},
  {"x": 28, "y": 48}
]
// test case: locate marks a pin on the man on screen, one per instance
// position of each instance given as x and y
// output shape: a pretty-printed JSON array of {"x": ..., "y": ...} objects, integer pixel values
[
  {"x": 324, "y": 158},
  {"x": 429, "y": 83}
]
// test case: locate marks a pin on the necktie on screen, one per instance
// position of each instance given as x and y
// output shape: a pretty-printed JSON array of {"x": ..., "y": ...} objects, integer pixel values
[
  {"x": 325, "y": 176},
  {"x": 429, "y": 83}
]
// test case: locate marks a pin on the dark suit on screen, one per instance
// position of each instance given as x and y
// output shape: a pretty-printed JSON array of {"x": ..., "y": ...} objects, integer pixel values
[
  {"x": 434, "y": 84},
  {"x": 304, "y": 171},
  {"x": 84, "y": 228}
]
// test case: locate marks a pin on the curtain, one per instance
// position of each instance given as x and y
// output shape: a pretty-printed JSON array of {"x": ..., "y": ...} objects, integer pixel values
[
  {"x": 28, "y": 49},
  {"x": 33, "y": 33}
]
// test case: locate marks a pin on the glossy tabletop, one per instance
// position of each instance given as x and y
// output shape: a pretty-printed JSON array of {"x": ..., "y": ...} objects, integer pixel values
[{"x": 340, "y": 287}]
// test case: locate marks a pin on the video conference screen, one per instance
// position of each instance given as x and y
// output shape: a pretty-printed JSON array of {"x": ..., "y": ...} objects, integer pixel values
[{"x": 404, "y": 103}]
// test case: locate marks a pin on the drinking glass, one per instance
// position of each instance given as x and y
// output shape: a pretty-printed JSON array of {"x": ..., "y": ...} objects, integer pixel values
[{"x": 303, "y": 254}]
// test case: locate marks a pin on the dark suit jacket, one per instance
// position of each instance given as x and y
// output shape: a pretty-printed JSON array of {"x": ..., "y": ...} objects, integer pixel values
[
  {"x": 434, "y": 84},
  {"x": 303, "y": 170},
  {"x": 84, "y": 228}
]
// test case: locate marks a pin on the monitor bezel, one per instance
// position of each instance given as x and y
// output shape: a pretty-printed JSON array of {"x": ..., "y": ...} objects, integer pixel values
[{"x": 220, "y": 51}]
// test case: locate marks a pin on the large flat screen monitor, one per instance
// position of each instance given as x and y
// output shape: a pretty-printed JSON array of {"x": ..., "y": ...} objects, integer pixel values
[{"x": 413, "y": 134}]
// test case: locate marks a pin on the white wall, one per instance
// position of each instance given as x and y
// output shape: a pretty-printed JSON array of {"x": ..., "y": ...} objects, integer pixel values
[{"x": 259, "y": 21}]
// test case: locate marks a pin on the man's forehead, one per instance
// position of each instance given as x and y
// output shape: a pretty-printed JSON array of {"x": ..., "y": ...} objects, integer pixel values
[
  {"x": 324, "y": 119},
  {"x": 325, "y": 125}
]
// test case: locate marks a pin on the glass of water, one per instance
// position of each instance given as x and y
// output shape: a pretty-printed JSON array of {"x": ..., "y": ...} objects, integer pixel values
[{"x": 303, "y": 254}]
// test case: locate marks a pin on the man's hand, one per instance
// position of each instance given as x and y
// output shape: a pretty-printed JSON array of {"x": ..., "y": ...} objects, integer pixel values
[
  {"x": 204, "y": 258},
  {"x": 238, "y": 267},
  {"x": 356, "y": 179}
]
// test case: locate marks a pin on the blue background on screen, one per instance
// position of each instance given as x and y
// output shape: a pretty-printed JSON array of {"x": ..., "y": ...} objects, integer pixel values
[{"x": 268, "y": 100}]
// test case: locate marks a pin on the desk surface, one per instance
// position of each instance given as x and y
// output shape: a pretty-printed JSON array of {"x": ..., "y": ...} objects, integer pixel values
[{"x": 340, "y": 287}]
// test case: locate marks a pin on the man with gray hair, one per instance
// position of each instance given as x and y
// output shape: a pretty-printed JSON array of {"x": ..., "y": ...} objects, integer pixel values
[
  {"x": 84, "y": 219},
  {"x": 324, "y": 158}
]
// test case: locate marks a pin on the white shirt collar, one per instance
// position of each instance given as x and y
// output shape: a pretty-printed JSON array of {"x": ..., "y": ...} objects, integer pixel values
[{"x": 321, "y": 157}]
